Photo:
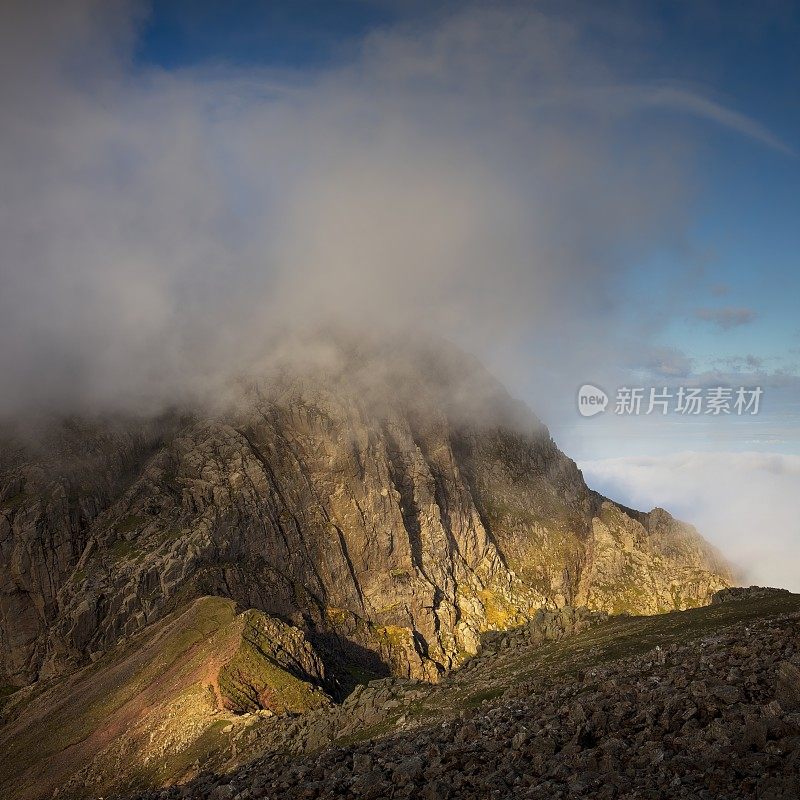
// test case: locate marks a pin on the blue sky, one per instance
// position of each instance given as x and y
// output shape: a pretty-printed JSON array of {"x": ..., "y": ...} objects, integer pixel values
[{"x": 304, "y": 34}]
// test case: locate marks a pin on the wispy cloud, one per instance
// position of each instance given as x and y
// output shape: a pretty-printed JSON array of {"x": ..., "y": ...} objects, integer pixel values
[
  {"x": 683, "y": 100},
  {"x": 746, "y": 362},
  {"x": 631, "y": 98},
  {"x": 665, "y": 362},
  {"x": 720, "y": 289},
  {"x": 727, "y": 317}
]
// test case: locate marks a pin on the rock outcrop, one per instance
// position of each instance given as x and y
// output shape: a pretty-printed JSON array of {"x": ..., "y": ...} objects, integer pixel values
[
  {"x": 56, "y": 478},
  {"x": 274, "y": 668},
  {"x": 392, "y": 507}
]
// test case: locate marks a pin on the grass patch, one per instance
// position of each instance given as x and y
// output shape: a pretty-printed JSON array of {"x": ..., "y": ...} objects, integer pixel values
[
  {"x": 360, "y": 675},
  {"x": 252, "y": 679},
  {"x": 479, "y": 698},
  {"x": 122, "y": 549},
  {"x": 93, "y": 699},
  {"x": 368, "y": 732},
  {"x": 129, "y": 524},
  {"x": 171, "y": 534}
]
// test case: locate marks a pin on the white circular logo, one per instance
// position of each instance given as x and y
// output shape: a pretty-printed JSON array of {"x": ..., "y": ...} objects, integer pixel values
[{"x": 591, "y": 400}]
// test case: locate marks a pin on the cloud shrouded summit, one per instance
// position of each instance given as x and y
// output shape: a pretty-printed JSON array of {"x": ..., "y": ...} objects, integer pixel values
[{"x": 490, "y": 177}]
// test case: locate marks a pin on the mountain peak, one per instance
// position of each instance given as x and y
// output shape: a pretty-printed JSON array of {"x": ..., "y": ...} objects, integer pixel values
[{"x": 394, "y": 504}]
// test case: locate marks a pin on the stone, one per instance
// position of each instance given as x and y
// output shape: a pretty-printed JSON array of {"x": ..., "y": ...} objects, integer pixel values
[
  {"x": 787, "y": 691},
  {"x": 727, "y": 694}
]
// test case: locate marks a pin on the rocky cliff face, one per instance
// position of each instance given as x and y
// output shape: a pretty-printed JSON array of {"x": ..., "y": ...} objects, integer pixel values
[
  {"x": 392, "y": 508},
  {"x": 55, "y": 480}
]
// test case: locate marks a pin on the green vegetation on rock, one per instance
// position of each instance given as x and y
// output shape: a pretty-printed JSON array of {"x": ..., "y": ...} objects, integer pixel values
[{"x": 253, "y": 679}]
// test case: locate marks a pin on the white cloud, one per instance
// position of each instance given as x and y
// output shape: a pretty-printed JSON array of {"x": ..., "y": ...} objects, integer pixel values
[
  {"x": 745, "y": 503},
  {"x": 726, "y": 318},
  {"x": 677, "y": 98}
]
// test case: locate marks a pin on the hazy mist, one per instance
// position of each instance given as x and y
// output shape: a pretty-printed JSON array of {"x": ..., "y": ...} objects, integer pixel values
[{"x": 489, "y": 177}]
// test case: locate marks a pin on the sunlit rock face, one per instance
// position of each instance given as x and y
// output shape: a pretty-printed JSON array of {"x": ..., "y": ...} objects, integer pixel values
[{"x": 390, "y": 502}]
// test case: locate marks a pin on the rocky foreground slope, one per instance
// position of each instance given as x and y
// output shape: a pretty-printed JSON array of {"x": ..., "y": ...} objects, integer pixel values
[{"x": 713, "y": 711}]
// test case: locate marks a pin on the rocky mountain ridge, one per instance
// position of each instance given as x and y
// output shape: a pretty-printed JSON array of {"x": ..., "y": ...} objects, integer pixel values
[{"x": 392, "y": 519}]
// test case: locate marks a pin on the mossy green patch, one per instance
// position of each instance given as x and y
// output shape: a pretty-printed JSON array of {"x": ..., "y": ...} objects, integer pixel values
[
  {"x": 78, "y": 576},
  {"x": 123, "y": 549},
  {"x": 395, "y": 636},
  {"x": 360, "y": 675},
  {"x": 479, "y": 698},
  {"x": 171, "y": 534},
  {"x": 368, "y": 732},
  {"x": 336, "y": 616},
  {"x": 500, "y": 614},
  {"x": 129, "y": 524},
  {"x": 253, "y": 679}
]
